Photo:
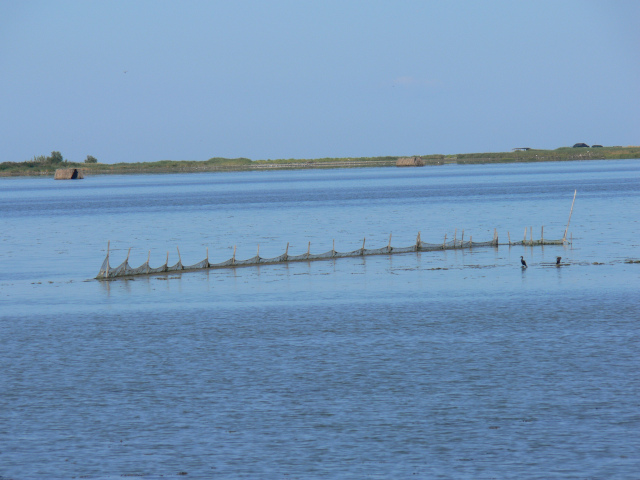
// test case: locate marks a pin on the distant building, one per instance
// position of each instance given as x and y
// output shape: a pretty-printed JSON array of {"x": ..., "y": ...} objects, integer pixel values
[
  {"x": 580, "y": 145},
  {"x": 68, "y": 174},
  {"x": 410, "y": 162},
  {"x": 596, "y": 146},
  {"x": 521, "y": 149}
]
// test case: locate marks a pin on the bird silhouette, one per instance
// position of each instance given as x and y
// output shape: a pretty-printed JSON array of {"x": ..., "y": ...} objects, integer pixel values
[{"x": 524, "y": 264}]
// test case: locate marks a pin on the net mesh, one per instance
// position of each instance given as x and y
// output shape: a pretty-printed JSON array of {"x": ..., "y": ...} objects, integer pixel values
[{"x": 124, "y": 269}]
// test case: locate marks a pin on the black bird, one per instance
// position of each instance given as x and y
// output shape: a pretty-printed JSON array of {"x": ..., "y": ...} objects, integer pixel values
[
  {"x": 558, "y": 260},
  {"x": 524, "y": 264}
]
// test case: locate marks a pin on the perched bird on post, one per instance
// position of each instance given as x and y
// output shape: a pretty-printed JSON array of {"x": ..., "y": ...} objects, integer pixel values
[
  {"x": 524, "y": 264},
  {"x": 558, "y": 260}
]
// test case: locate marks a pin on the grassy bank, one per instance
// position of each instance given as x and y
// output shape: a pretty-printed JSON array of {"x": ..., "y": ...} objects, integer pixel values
[{"x": 35, "y": 167}]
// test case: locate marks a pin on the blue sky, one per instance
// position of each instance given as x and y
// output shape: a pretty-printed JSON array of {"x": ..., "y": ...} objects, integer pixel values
[{"x": 129, "y": 81}]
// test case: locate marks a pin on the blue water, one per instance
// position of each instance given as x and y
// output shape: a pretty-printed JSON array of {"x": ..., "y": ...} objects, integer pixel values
[{"x": 454, "y": 364}]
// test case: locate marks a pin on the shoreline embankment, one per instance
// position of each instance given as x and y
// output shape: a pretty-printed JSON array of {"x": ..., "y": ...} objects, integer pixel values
[{"x": 31, "y": 168}]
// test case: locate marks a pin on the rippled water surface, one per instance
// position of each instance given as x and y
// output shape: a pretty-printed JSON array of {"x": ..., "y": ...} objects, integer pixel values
[{"x": 450, "y": 364}]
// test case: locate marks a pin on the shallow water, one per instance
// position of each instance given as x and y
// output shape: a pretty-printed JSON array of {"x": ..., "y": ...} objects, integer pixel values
[{"x": 455, "y": 364}]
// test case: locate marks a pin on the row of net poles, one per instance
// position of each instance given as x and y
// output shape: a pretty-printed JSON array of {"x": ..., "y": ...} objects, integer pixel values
[{"x": 564, "y": 237}]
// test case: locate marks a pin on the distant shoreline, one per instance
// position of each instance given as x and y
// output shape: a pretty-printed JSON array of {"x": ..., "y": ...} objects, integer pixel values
[{"x": 31, "y": 168}]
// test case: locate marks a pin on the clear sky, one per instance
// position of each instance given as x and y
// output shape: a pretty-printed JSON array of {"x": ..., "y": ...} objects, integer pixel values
[{"x": 130, "y": 81}]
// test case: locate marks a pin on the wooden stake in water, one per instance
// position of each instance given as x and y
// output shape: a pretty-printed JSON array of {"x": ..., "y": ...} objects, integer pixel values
[
  {"x": 542, "y": 235},
  {"x": 444, "y": 243},
  {"x": 564, "y": 238},
  {"x": 233, "y": 259},
  {"x": 389, "y": 245},
  {"x": 509, "y": 237}
]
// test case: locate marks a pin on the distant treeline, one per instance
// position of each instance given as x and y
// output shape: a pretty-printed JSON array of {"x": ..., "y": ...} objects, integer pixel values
[
  {"x": 41, "y": 165},
  {"x": 46, "y": 165}
]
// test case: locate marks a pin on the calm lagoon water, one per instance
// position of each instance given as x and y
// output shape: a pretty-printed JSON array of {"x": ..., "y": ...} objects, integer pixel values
[{"x": 454, "y": 364}]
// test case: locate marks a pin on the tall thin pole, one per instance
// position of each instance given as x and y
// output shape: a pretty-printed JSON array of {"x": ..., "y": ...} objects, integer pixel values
[
  {"x": 108, "y": 245},
  {"x": 564, "y": 238}
]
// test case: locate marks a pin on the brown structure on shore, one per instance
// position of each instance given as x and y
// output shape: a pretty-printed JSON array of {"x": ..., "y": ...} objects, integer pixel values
[
  {"x": 410, "y": 162},
  {"x": 68, "y": 174}
]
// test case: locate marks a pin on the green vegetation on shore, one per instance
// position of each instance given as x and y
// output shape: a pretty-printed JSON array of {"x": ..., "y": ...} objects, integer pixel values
[{"x": 42, "y": 165}]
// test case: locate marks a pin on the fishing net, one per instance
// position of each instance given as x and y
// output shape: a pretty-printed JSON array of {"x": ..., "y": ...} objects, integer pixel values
[{"x": 124, "y": 269}]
